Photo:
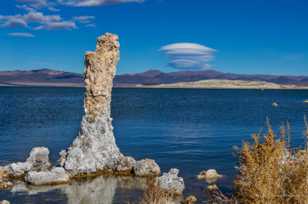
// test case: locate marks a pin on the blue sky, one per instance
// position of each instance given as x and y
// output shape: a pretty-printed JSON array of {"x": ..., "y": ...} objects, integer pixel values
[{"x": 240, "y": 36}]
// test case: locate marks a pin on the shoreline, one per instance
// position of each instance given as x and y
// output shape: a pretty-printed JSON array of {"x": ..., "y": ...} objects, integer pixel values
[
  {"x": 203, "y": 84},
  {"x": 151, "y": 87}
]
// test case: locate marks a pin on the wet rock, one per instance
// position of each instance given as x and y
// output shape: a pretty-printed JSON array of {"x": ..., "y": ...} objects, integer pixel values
[
  {"x": 57, "y": 175},
  {"x": 171, "y": 182},
  {"x": 210, "y": 176},
  {"x": 38, "y": 160},
  {"x": 19, "y": 169},
  {"x": 146, "y": 167}
]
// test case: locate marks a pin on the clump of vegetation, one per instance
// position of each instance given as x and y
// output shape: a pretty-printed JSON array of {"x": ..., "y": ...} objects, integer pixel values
[
  {"x": 155, "y": 195},
  {"x": 270, "y": 172},
  {"x": 4, "y": 180}
]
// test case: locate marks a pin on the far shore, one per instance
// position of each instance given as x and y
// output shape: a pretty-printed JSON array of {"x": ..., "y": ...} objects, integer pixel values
[{"x": 204, "y": 84}]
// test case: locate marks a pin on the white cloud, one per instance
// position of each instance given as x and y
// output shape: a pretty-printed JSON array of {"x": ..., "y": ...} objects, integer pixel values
[
  {"x": 88, "y": 3},
  {"x": 13, "y": 21},
  {"x": 61, "y": 25},
  {"x": 22, "y": 35},
  {"x": 37, "y": 21},
  {"x": 39, "y": 17},
  {"x": 84, "y": 19},
  {"x": 37, "y": 4},
  {"x": 34, "y": 16},
  {"x": 188, "y": 55},
  {"x": 25, "y": 7}
]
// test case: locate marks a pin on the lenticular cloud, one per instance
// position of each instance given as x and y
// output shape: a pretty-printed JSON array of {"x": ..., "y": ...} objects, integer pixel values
[{"x": 188, "y": 55}]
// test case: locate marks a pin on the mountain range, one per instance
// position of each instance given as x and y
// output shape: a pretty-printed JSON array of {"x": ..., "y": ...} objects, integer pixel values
[{"x": 49, "y": 77}]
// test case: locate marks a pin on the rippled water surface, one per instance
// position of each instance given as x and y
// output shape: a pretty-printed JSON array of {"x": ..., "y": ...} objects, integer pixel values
[{"x": 190, "y": 129}]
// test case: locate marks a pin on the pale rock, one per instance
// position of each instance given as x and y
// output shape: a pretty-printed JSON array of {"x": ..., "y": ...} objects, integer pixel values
[
  {"x": 146, "y": 167},
  {"x": 38, "y": 160},
  {"x": 171, "y": 182},
  {"x": 210, "y": 176},
  {"x": 126, "y": 165},
  {"x": 56, "y": 175},
  {"x": 94, "y": 150},
  {"x": 4, "y": 202}
]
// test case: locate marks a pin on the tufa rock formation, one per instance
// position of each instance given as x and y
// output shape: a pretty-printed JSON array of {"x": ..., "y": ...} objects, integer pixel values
[
  {"x": 38, "y": 160},
  {"x": 95, "y": 150},
  {"x": 146, "y": 167},
  {"x": 171, "y": 182},
  {"x": 56, "y": 175}
]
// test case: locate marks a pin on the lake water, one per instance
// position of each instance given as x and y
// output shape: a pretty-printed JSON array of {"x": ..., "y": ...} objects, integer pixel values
[{"x": 190, "y": 129}]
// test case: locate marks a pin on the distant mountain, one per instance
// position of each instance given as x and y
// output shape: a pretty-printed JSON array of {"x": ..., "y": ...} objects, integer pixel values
[
  {"x": 154, "y": 77},
  {"x": 40, "y": 77},
  {"x": 48, "y": 77}
]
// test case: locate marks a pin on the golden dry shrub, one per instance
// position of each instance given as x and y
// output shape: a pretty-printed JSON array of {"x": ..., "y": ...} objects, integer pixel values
[
  {"x": 155, "y": 195},
  {"x": 270, "y": 173}
]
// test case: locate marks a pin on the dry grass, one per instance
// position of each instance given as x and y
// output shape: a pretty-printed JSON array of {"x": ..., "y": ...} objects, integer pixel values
[
  {"x": 4, "y": 180},
  {"x": 270, "y": 173}
]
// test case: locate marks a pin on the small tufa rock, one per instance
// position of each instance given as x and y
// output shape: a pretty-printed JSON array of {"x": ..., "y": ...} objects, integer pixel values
[
  {"x": 170, "y": 182},
  {"x": 126, "y": 165},
  {"x": 210, "y": 176},
  {"x": 63, "y": 154},
  {"x": 37, "y": 161},
  {"x": 146, "y": 167},
  {"x": 39, "y": 158},
  {"x": 57, "y": 175},
  {"x": 190, "y": 200}
]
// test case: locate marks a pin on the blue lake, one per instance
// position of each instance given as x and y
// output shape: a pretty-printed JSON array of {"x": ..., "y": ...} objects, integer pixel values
[{"x": 190, "y": 129}]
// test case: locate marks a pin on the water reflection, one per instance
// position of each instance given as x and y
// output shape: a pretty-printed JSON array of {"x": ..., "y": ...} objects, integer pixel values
[{"x": 100, "y": 190}]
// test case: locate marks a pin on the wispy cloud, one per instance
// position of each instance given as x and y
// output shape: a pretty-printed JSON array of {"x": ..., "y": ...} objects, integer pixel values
[
  {"x": 39, "y": 21},
  {"x": 39, "y": 17},
  {"x": 25, "y": 7},
  {"x": 89, "y": 3},
  {"x": 188, "y": 55},
  {"x": 38, "y": 4},
  {"x": 22, "y": 35},
  {"x": 13, "y": 21},
  {"x": 33, "y": 15},
  {"x": 61, "y": 25},
  {"x": 84, "y": 19}
]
